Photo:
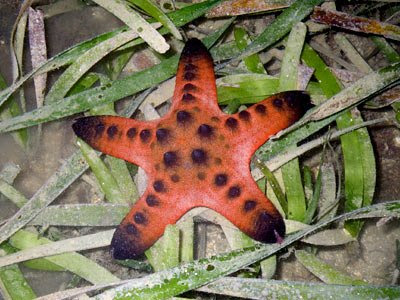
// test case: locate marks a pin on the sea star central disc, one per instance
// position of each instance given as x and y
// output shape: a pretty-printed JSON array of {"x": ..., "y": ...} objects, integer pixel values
[{"x": 195, "y": 155}]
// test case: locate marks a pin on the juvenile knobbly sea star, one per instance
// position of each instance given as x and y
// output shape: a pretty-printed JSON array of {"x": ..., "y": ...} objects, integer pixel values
[{"x": 195, "y": 155}]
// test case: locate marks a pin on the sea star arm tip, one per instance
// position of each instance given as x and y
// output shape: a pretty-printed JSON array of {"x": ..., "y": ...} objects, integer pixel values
[{"x": 116, "y": 136}]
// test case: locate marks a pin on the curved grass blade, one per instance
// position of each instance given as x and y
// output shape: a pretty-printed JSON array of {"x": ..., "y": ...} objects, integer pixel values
[
  {"x": 136, "y": 22},
  {"x": 84, "y": 62},
  {"x": 154, "y": 11}
]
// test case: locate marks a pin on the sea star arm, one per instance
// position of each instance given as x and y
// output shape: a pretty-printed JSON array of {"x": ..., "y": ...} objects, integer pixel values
[
  {"x": 146, "y": 222},
  {"x": 246, "y": 207},
  {"x": 195, "y": 80},
  {"x": 266, "y": 118},
  {"x": 117, "y": 136}
]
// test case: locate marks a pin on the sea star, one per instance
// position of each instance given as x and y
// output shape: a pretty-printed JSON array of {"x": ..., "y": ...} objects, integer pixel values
[{"x": 195, "y": 155}]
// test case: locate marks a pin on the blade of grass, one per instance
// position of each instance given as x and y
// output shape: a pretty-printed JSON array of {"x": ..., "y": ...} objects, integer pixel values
[
  {"x": 280, "y": 27},
  {"x": 154, "y": 11},
  {"x": 252, "y": 62},
  {"x": 81, "y": 215},
  {"x": 73, "y": 262},
  {"x": 313, "y": 203},
  {"x": 240, "y": 7},
  {"x": 358, "y": 24},
  {"x": 36, "y": 264},
  {"x": 12, "y": 109},
  {"x": 12, "y": 194},
  {"x": 248, "y": 88},
  {"x": 390, "y": 53},
  {"x": 136, "y": 22},
  {"x": 107, "y": 182},
  {"x": 352, "y": 54},
  {"x": 38, "y": 51},
  {"x": 251, "y": 288},
  {"x": 329, "y": 237},
  {"x": 187, "y": 240},
  {"x": 84, "y": 62},
  {"x": 324, "y": 271},
  {"x": 288, "y": 80},
  {"x": 12, "y": 282},
  {"x": 274, "y": 185}
]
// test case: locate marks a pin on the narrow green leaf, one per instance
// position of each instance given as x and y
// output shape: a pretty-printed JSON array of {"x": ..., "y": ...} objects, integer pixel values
[
  {"x": 73, "y": 262},
  {"x": 12, "y": 109},
  {"x": 84, "y": 62},
  {"x": 281, "y": 26},
  {"x": 274, "y": 185},
  {"x": 250, "y": 288},
  {"x": 153, "y": 10},
  {"x": 136, "y": 22},
  {"x": 91, "y": 215},
  {"x": 291, "y": 58},
  {"x": 247, "y": 88},
  {"x": 324, "y": 271},
  {"x": 252, "y": 62},
  {"x": 313, "y": 203},
  {"x": 171, "y": 247},
  {"x": 12, "y": 194},
  {"x": 291, "y": 175},
  {"x": 12, "y": 282},
  {"x": 107, "y": 182},
  {"x": 390, "y": 53},
  {"x": 187, "y": 241}
]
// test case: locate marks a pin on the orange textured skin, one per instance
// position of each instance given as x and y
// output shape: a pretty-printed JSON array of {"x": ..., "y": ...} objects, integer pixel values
[{"x": 195, "y": 155}]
